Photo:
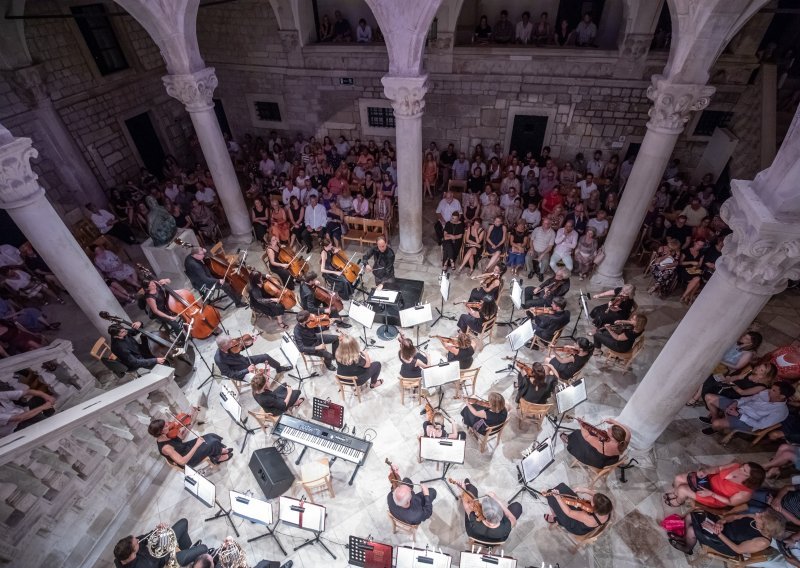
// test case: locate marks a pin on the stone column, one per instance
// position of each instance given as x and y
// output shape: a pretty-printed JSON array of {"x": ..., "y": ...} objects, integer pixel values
[
  {"x": 672, "y": 106},
  {"x": 24, "y": 199},
  {"x": 756, "y": 261},
  {"x": 407, "y": 95},
  {"x": 195, "y": 91}
]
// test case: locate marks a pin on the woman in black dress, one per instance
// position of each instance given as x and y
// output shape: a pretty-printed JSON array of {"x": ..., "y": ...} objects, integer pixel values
[
  {"x": 480, "y": 417},
  {"x": 575, "y": 519},
  {"x": 622, "y": 341},
  {"x": 453, "y": 236},
  {"x": 276, "y": 401},
  {"x": 589, "y": 449},
  {"x": 353, "y": 362},
  {"x": 279, "y": 269},
  {"x": 567, "y": 362},
  {"x": 731, "y": 535},
  {"x": 296, "y": 215},
  {"x": 490, "y": 284},
  {"x": 537, "y": 387},
  {"x": 475, "y": 317},
  {"x": 411, "y": 360},
  {"x": 743, "y": 384},
  {"x": 496, "y": 239},
  {"x": 263, "y": 304},
  {"x": 459, "y": 349},
  {"x": 191, "y": 452},
  {"x": 259, "y": 215},
  {"x": 473, "y": 245},
  {"x": 619, "y": 308}
]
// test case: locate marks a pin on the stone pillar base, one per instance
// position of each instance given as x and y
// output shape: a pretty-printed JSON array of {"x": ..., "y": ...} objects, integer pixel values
[
  {"x": 601, "y": 281},
  {"x": 167, "y": 262},
  {"x": 416, "y": 258},
  {"x": 243, "y": 239}
]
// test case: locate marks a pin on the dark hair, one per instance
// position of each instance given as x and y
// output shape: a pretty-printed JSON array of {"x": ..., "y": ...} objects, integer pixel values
[
  {"x": 504, "y": 12},
  {"x": 303, "y": 315},
  {"x": 124, "y": 548},
  {"x": 407, "y": 349},
  {"x": 258, "y": 382},
  {"x": 255, "y": 278},
  {"x": 757, "y": 476},
  {"x": 526, "y": 13},
  {"x": 204, "y": 561},
  {"x": 560, "y": 301},
  {"x": 156, "y": 427},
  {"x": 786, "y": 389},
  {"x": 114, "y": 329},
  {"x": 602, "y": 504},
  {"x": 620, "y": 435},
  {"x": 538, "y": 374},
  {"x": 585, "y": 345},
  {"x": 755, "y": 339},
  {"x": 310, "y": 276}
]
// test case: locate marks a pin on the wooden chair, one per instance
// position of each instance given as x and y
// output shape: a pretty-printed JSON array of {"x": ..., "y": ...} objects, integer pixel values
[
  {"x": 597, "y": 474},
  {"x": 739, "y": 560},
  {"x": 624, "y": 360},
  {"x": 355, "y": 230},
  {"x": 349, "y": 382},
  {"x": 581, "y": 541},
  {"x": 411, "y": 385},
  {"x": 264, "y": 419},
  {"x": 101, "y": 351},
  {"x": 311, "y": 361},
  {"x": 373, "y": 228},
  {"x": 487, "y": 329},
  {"x": 489, "y": 546},
  {"x": 492, "y": 432},
  {"x": 398, "y": 525},
  {"x": 457, "y": 185},
  {"x": 536, "y": 412},
  {"x": 546, "y": 345},
  {"x": 757, "y": 436},
  {"x": 315, "y": 477},
  {"x": 466, "y": 376}
]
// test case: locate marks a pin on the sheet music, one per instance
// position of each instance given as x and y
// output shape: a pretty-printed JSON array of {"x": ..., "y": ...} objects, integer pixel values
[
  {"x": 516, "y": 293},
  {"x": 408, "y": 557},
  {"x": 415, "y": 316},
  {"x": 442, "y": 449},
  {"x": 199, "y": 486},
  {"x": 250, "y": 508},
  {"x": 520, "y": 336},
  {"x": 289, "y": 349},
  {"x": 228, "y": 400},
  {"x": 534, "y": 464},
  {"x": 439, "y": 375},
  {"x": 571, "y": 396},
  {"x": 361, "y": 313},
  {"x": 312, "y": 517},
  {"x": 444, "y": 286},
  {"x": 471, "y": 560},
  {"x": 385, "y": 295}
]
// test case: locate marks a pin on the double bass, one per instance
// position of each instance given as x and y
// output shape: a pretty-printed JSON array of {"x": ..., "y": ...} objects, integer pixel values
[
  {"x": 234, "y": 273},
  {"x": 160, "y": 345},
  {"x": 204, "y": 319}
]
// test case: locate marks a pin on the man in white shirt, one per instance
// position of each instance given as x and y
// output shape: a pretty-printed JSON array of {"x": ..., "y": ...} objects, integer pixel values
[
  {"x": 507, "y": 199},
  {"x": 566, "y": 241},
  {"x": 510, "y": 181},
  {"x": 171, "y": 191},
  {"x": 595, "y": 165},
  {"x": 749, "y": 413},
  {"x": 524, "y": 29},
  {"x": 206, "y": 195},
  {"x": 37, "y": 405},
  {"x": 599, "y": 224},
  {"x": 363, "y": 32},
  {"x": 461, "y": 167},
  {"x": 531, "y": 166},
  {"x": 586, "y": 31},
  {"x": 108, "y": 224},
  {"x": 497, "y": 152},
  {"x": 625, "y": 169},
  {"x": 447, "y": 206},
  {"x": 532, "y": 216},
  {"x": 587, "y": 186},
  {"x": 478, "y": 163},
  {"x": 543, "y": 238},
  {"x": 266, "y": 166},
  {"x": 316, "y": 220},
  {"x": 289, "y": 191},
  {"x": 486, "y": 197},
  {"x": 342, "y": 147},
  {"x": 694, "y": 212},
  {"x": 360, "y": 206}
]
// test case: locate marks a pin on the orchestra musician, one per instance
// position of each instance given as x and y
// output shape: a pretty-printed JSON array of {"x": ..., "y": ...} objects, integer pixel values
[
  {"x": 620, "y": 307},
  {"x": 596, "y": 447},
  {"x": 490, "y": 284},
  {"x": 383, "y": 267},
  {"x": 202, "y": 279},
  {"x": 330, "y": 273},
  {"x": 131, "y": 353},
  {"x": 498, "y": 517},
  {"x": 310, "y": 303},
  {"x": 411, "y": 360},
  {"x": 407, "y": 506},
  {"x": 479, "y": 417},
  {"x": 192, "y": 452},
  {"x": 263, "y": 304},
  {"x": 353, "y": 362},
  {"x": 537, "y": 386},
  {"x": 235, "y": 366},
  {"x": 279, "y": 269},
  {"x": 132, "y": 552},
  {"x": 310, "y": 339},
  {"x": 543, "y": 294},
  {"x": 276, "y": 401},
  {"x": 569, "y": 359},
  {"x": 577, "y": 516},
  {"x": 545, "y": 325},
  {"x": 155, "y": 299},
  {"x": 622, "y": 339},
  {"x": 208, "y": 561},
  {"x": 461, "y": 349},
  {"x": 434, "y": 425},
  {"x": 478, "y": 314}
]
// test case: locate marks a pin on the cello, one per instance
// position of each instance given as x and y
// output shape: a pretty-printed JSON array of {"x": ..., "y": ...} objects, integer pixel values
[
  {"x": 349, "y": 269},
  {"x": 322, "y": 294},
  {"x": 160, "y": 345},
  {"x": 234, "y": 273},
  {"x": 203, "y": 319},
  {"x": 297, "y": 266},
  {"x": 272, "y": 287}
]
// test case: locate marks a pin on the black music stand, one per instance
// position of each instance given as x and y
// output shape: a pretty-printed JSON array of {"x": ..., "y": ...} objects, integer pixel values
[
  {"x": 387, "y": 332},
  {"x": 517, "y": 339},
  {"x": 567, "y": 398},
  {"x": 292, "y": 354},
  {"x": 516, "y": 302},
  {"x": 212, "y": 299},
  {"x": 582, "y": 297},
  {"x": 415, "y": 317},
  {"x": 328, "y": 412},
  {"x": 369, "y": 554},
  {"x": 288, "y": 518},
  {"x": 444, "y": 290},
  {"x": 257, "y": 511},
  {"x": 541, "y": 456},
  {"x": 234, "y": 410},
  {"x": 205, "y": 492}
]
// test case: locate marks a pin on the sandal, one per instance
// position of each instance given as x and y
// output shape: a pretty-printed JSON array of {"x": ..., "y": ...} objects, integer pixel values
[
  {"x": 671, "y": 500},
  {"x": 300, "y": 401},
  {"x": 680, "y": 545},
  {"x": 564, "y": 437},
  {"x": 377, "y": 383},
  {"x": 550, "y": 519},
  {"x": 694, "y": 403}
]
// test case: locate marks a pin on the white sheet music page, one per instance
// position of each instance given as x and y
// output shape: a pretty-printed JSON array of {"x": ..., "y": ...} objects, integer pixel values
[
  {"x": 408, "y": 557},
  {"x": 471, "y": 560},
  {"x": 362, "y": 314},
  {"x": 516, "y": 293},
  {"x": 385, "y": 295},
  {"x": 415, "y": 316},
  {"x": 250, "y": 508},
  {"x": 438, "y": 375},
  {"x": 571, "y": 396},
  {"x": 199, "y": 486},
  {"x": 442, "y": 449},
  {"x": 302, "y": 514}
]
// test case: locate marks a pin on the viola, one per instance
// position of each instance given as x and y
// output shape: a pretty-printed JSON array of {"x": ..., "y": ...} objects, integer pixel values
[
  {"x": 318, "y": 321},
  {"x": 350, "y": 270},
  {"x": 574, "y": 502},
  {"x": 174, "y": 428},
  {"x": 527, "y": 370},
  {"x": 541, "y": 311},
  {"x": 601, "y": 435},
  {"x": 243, "y": 342},
  {"x": 477, "y": 508},
  {"x": 274, "y": 289},
  {"x": 332, "y": 299}
]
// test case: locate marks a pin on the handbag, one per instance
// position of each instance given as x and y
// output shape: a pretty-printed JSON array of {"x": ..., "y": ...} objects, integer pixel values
[{"x": 674, "y": 524}]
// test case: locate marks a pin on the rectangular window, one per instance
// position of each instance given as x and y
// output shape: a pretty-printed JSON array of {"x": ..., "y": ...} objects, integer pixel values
[
  {"x": 710, "y": 120},
  {"x": 93, "y": 22},
  {"x": 268, "y": 111},
  {"x": 380, "y": 117}
]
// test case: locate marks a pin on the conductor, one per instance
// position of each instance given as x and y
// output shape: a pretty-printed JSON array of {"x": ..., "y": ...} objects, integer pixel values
[{"x": 383, "y": 267}]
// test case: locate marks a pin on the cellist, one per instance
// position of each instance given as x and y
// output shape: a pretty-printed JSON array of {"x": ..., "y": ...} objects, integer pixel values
[
  {"x": 310, "y": 303},
  {"x": 155, "y": 298},
  {"x": 202, "y": 279},
  {"x": 334, "y": 277}
]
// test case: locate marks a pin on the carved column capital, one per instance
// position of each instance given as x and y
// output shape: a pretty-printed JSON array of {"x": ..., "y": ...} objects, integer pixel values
[
  {"x": 673, "y": 103},
  {"x": 407, "y": 94},
  {"x": 18, "y": 181},
  {"x": 194, "y": 90},
  {"x": 27, "y": 82},
  {"x": 635, "y": 46},
  {"x": 762, "y": 253}
]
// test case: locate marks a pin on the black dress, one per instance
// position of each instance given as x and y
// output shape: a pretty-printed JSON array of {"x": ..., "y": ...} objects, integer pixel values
[
  {"x": 464, "y": 357},
  {"x": 567, "y": 370},
  {"x": 481, "y": 424},
  {"x": 273, "y": 402},
  {"x": 294, "y": 217},
  {"x": 282, "y": 273},
  {"x": 451, "y": 247},
  {"x": 602, "y": 337},
  {"x": 535, "y": 394},
  {"x": 580, "y": 449},
  {"x": 210, "y": 448},
  {"x": 601, "y": 315},
  {"x": 568, "y": 523},
  {"x": 259, "y": 302},
  {"x": 259, "y": 229},
  {"x": 739, "y": 531},
  {"x": 410, "y": 370},
  {"x": 712, "y": 386}
]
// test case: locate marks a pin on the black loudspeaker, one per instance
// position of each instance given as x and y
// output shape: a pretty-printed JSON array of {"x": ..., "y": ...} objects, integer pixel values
[{"x": 271, "y": 472}]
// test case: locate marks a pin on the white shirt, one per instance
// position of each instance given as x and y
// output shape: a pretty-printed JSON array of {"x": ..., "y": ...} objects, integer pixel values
[
  {"x": 206, "y": 195},
  {"x": 316, "y": 217},
  {"x": 526, "y": 169},
  {"x": 172, "y": 192},
  {"x": 482, "y": 166},
  {"x": 601, "y": 227},
  {"x": 342, "y": 148},
  {"x": 10, "y": 256},
  {"x": 461, "y": 169},
  {"x": 287, "y": 194},
  {"x": 586, "y": 189},
  {"x": 8, "y": 410},
  {"x": 595, "y": 167},
  {"x": 532, "y": 217},
  {"x": 524, "y": 32},
  {"x": 446, "y": 209},
  {"x": 565, "y": 243},
  {"x": 363, "y": 35},
  {"x": 507, "y": 200},
  {"x": 694, "y": 216},
  {"x": 267, "y": 167},
  {"x": 758, "y": 412},
  {"x": 586, "y": 32},
  {"x": 103, "y": 220},
  {"x": 361, "y": 206},
  {"x": 542, "y": 239},
  {"x": 508, "y": 183}
]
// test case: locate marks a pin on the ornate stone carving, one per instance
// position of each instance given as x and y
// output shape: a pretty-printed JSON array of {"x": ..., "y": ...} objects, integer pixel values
[
  {"x": 18, "y": 181},
  {"x": 290, "y": 39},
  {"x": 28, "y": 84},
  {"x": 407, "y": 94},
  {"x": 195, "y": 90},
  {"x": 635, "y": 46},
  {"x": 762, "y": 253},
  {"x": 673, "y": 103}
]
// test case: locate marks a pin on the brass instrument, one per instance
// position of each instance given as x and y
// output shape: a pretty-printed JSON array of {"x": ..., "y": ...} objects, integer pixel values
[
  {"x": 231, "y": 555},
  {"x": 163, "y": 542},
  {"x": 594, "y": 431},
  {"x": 575, "y": 502}
]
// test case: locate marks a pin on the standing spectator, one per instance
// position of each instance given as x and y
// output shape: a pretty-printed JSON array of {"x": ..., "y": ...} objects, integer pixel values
[
  {"x": 363, "y": 32},
  {"x": 586, "y": 32},
  {"x": 503, "y": 29},
  {"x": 444, "y": 212},
  {"x": 341, "y": 28},
  {"x": 316, "y": 221},
  {"x": 595, "y": 165},
  {"x": 565, "y": 243},
  {"x": 524, "y": 29},
  {"x": 446, "y": 161}
]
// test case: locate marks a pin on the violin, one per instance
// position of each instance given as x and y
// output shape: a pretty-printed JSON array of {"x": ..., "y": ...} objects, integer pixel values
[
  {"x": 616, "y": 303},
  {"x": 541, "y": 311},
  {"x": 394, "y": 479},
  {"x": 243, "y": 342},
  {"x": 234, "y": 273},
  {"x": 429, "y": 411},
  {"x": 574, "y": 502},
  {"x": 477, "y": 508},
  {"x": 475, "y": 400},
  {"x": 572, "y": 349},
  {"x": 350, "y": 270},
  {"x": 475, "y": 305},
  {"x": 322, "y": 294},
  {"x": 446, "y": 340},
  {"x": 594, "y": 431},
  {"x": 322, "y": 321},
  {"x": 526, "y": 370},
  {"x": 271, "y": 285},
  {"x": 619, "y": 327},
  {"x": 182, "y": 420}
]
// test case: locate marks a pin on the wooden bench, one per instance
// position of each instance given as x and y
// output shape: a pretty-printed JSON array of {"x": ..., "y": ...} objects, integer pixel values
[{"x": 355, "y": 230}]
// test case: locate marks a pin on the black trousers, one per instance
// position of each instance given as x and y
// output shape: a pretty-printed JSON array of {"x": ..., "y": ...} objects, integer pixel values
[
  {"x": 340, "y": 285},
  {"x": 466, "y": 321},
  {"x": 372, "y": 374},
  {"x": 325, "y": 339},
  {"x": 210, "y": 448},
  {"x": 32, "y": 403},
  {"x": 308, "y": 236},
  {"x": 188, "y": 553},
  {"x": 514, "y": 508},
  {"x": 439, "y": 228}
]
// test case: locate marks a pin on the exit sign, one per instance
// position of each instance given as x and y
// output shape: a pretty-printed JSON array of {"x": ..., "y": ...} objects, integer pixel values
[{"x": 346, "y": 80}]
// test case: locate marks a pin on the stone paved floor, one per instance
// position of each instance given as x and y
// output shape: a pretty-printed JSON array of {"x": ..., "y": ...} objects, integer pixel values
[{"x": 634, "y": 539}]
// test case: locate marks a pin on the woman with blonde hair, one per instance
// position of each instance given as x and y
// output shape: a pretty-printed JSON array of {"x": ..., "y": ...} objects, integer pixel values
[
  {"x": 353, "y": 362},
  {"x": 480, "y": 417}
]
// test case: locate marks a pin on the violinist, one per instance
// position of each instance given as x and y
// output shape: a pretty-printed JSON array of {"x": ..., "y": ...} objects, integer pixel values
[
  {"x": 546, "y": 325},
  {"x": 411, "y": 360},
  {"x": 191, "y": 452},
  {"x": 407, "y": 506},
  {"x": 261, "y": 303},
  {"x": 383, "y": 267},
  {"x": 310, "y": 339},
  {"x": 461, "y": 349},
  {"x": 435, "y": 426},
  {"x": 619, "y": 308},
  {"x": 477, "y": 314},
  {"x": 279, "y": 269},
  {"x": 622, "y": 334},
  {"x": 202, "y": 279},
  {"x": 575, "y": 515},
  {"x": 595, "y": 446},
  {"x": 131, "y": 353},
  {"x": 235, "y": 366},
  {"x": 480, "y": 417},
  {"x": 537, "y": 385},
  {"x": 276, "y": 401},
  {"x": 544, "y": 293},
  {"x": 330, "y": 273},
  {"x": 498, "y": 517},
  {"x": 490, "y": 284},
  {"x": 569, "y": 359},
  {"x": 310, "y": 303},
  {"x": 155, "y": 298}
]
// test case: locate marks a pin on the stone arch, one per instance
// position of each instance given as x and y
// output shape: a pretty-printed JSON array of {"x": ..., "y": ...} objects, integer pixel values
[{"x": 13, "y": 45}]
